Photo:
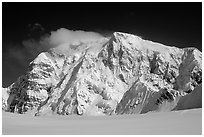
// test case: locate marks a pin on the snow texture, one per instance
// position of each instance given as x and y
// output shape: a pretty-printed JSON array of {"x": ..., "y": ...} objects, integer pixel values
[
  {"x": 184, "y": 122},
  {"x": 121, "y": 75}
]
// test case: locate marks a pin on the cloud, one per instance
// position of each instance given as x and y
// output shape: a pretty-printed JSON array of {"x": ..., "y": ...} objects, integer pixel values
[
  {"x": 62, "y": 38},
  {"x": 63, "y": 35},
  {"x": 69, "y": 41},
  {"x": 16, "y": 56}
]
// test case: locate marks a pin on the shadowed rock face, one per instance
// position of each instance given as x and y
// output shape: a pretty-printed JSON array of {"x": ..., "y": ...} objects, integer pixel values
[{"x": 123, "y": 75}]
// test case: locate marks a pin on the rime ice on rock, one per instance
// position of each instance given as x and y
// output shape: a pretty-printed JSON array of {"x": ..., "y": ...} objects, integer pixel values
[{"x": 121, "y": 75}]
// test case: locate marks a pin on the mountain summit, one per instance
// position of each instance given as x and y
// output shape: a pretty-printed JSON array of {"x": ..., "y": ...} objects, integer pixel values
[{"x": 123, "y": 74}]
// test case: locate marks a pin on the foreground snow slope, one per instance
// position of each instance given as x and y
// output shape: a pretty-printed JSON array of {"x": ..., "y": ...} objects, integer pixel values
[{"x": 177, "y": 122}]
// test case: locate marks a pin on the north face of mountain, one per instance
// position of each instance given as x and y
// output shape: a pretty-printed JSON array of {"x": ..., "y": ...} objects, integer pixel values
[{"x": 121, "y": 75}]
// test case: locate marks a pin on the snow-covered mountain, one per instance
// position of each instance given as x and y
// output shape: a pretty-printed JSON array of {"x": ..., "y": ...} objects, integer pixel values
[{"x": 123, "y": 74}]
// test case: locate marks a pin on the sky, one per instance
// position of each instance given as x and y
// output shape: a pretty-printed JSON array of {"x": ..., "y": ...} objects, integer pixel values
[{"x": 27, "y": 28}]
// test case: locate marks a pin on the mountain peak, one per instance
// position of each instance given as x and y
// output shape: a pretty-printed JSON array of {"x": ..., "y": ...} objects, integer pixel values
[
  {"x": 123, "y": 34},
  {"x": 121, "y": 75},
  {"x": 136, "y": 42}
]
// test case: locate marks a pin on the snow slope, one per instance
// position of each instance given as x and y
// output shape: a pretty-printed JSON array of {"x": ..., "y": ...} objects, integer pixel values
[{"x": 185, "y": 122}]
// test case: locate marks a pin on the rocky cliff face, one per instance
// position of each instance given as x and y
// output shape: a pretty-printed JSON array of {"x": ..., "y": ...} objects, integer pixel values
[{"x": 121, "y": 75}]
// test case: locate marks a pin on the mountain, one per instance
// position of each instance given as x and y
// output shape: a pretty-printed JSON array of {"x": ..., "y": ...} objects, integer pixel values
[{"x": 123, "y": 74}]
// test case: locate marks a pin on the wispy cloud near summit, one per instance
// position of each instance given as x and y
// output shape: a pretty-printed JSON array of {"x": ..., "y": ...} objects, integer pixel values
[
  {"x": 18, "y": 55},
  {"x": 63, "y": 35}
]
